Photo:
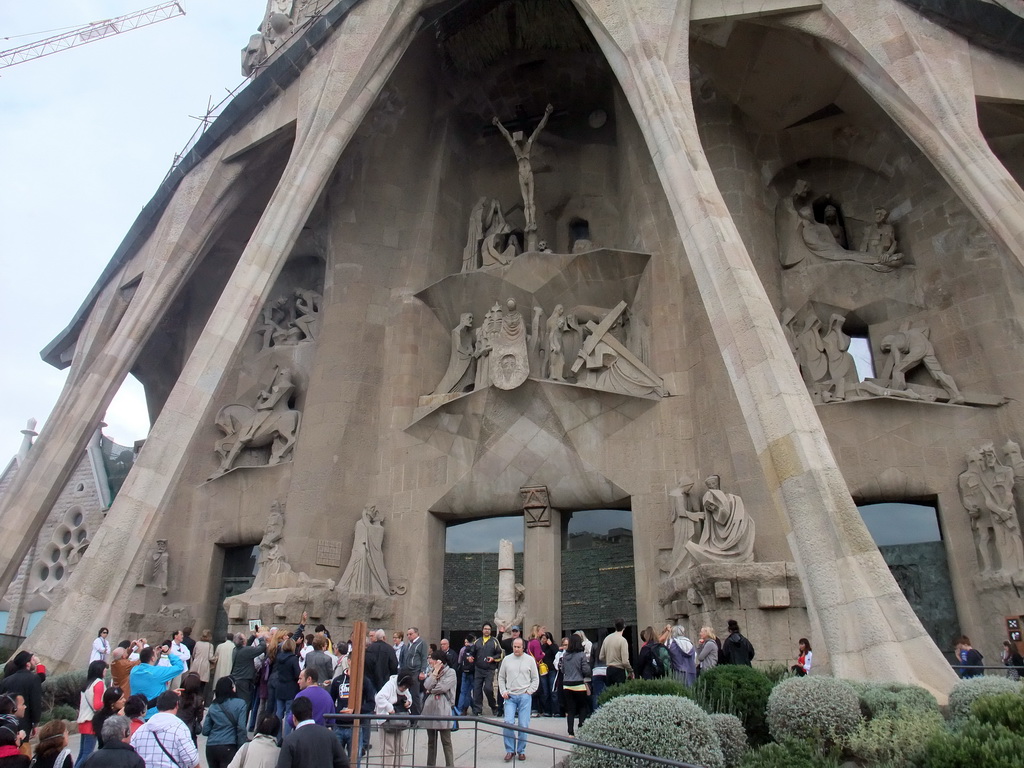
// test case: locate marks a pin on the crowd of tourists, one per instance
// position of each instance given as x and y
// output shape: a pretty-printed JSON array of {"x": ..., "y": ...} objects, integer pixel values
[{"x": 266, "y": 699}]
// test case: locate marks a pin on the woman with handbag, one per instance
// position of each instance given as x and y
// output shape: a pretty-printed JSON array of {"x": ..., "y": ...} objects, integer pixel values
[
  {"x": 90, "y": 702},
  {"x": 225, "y": 724},
  {"x": 393, "y": 696},
  {"x": 439, "y": 687},
  {"x": 575, "y": 669}
]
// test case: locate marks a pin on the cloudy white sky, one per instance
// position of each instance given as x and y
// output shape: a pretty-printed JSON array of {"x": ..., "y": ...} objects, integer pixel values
[{"x": 86, "y": 136}]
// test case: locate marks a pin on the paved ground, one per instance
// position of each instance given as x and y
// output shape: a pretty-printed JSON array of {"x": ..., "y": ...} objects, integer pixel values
[{"x": 484, "y": 742}]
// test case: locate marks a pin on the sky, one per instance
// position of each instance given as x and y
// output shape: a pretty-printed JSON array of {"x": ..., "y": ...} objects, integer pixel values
[{"x": 86, "y": 137}]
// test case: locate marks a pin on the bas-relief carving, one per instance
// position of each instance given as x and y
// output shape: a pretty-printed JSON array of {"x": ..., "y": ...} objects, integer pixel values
[
  {"x": 272, "y": 421},
  {"x": 461, "y": 373},
  {"x": 288, "y": 320},
  {"x": 280, "y": 21},
  {"x": 491, "y": 240},
  {"x": 604, "y": 362},
  {"x": 717, "y": 530},
  {"x": 905, "y": 350},
  {"x": 274, "y": 571},
  {"x": 157, "y": 567},
  {"x": 986, "y": 491},
  {"x": 536, "y": 506},
  {"x": 509, "y": 357},
  {"x": 801, "y": 236},
  {"x": 366, "y": 573}
]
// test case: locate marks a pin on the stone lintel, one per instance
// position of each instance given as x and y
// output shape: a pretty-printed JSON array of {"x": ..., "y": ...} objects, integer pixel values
[{"x": 711, "y": 11}]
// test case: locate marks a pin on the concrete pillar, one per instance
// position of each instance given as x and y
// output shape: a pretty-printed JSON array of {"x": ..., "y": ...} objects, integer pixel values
[{"x": 542, "y": 560}]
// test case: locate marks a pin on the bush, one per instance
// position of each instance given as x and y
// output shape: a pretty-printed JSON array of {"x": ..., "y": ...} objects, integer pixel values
[
  {"x": 788, "y": 754},
  {"x": 665, "y": 686},
  {"x": 966, "y": 691},
  {"x": 776, "y": 672},
  {"x": 821, "y": 709},
  {"x": 1006, "y": 709},
  {"x": 731, "y": 738},
  {"x": 981, "y": 745},
  {"x": 892, "y": 699},
  {"x": 737, "y": 690},
  {"x": 63, "y": 689},
  {"x": 895, "y": 741},
  {"x": 59, "y": 712},
  {"x": 662, "y": 726}
]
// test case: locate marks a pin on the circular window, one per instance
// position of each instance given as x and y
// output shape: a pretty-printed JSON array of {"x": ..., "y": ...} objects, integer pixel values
[
  {"x": 80, "y": 536},
  {"x": 66, "y": 537},
  {"x": 44, "y": 573},
  {"x": 77, "y": 518},
  {"x": 55, "y": 555},
  {"x": 58, "y": 572}
]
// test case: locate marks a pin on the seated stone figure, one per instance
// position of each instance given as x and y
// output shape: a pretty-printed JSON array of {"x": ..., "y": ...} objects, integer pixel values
[{"x": 728, "y": 532}]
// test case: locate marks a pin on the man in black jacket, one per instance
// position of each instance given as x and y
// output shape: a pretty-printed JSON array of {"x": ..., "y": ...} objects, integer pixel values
[
  {"x": 485, "y": 655},
  {"x": 22, "y": 678},
  {"x": 117, "y": 751},
  {"x": 309, "y": 744},
  {"x": 243, "y": 667},
  {"x": 381, "y": 662},
  {"x": 736, "y": 649},
  {"x": 414, "y": 664}
]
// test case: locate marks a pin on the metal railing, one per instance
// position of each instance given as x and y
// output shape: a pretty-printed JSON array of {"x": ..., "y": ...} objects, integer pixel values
[{"x": 559, "y": 746}]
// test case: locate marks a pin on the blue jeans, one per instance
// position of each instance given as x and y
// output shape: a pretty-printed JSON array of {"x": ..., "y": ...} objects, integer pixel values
[
  {"x": 543, "y": 695},
  {"x": 283, "y": 709},
  {"x": 86, "y": 747},
  {"x": 517, "y": 710},
  {"x": 597, "y": 684},
  {"x": 344, "y": 734},
  {"x": 466, "y": 694}
]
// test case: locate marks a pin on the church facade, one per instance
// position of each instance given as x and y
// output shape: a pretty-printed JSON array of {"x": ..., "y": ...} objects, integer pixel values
[{"x": 444, "y": 262}]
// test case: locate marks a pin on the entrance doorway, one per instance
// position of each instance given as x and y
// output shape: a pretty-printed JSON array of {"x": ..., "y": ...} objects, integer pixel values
[{"x": 237, "y": 576}]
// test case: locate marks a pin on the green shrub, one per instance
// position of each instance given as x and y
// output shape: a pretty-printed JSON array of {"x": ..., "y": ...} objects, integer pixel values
[
  {"x": 664, "y": 686},
  {"x": 966, "y": 691},
  {"x": 1006, "y": 709},
  {"x": 788, "y": 754},
  {"x": 737, "y": 690},
  {"x": 662, "y": 726},
  {"x": 63, "y": 689},
  {"x": 892, "y": 699},
  {"x": 822, "y": 709},
  {"x": 59, "y": 712},
  {"x": 895, "y": 741},
  {"x": 731, "y": 738},
  {"x": 776, "y": 672},
  {"x": 977, "y": 745}
]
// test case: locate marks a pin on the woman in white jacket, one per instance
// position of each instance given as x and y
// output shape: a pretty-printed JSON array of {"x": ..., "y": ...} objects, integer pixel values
[{"x": 393, "y": 695}]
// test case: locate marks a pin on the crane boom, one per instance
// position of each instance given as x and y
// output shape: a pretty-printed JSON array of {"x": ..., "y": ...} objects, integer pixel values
[{"x": 90, "y": 32}]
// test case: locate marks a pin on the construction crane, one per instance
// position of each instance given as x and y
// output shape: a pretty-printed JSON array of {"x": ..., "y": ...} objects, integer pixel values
[{"x": 97, "y": 30}]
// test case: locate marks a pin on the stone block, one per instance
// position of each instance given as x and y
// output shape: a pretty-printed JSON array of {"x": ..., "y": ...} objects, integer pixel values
[
  {"x": 693, "y": 597},
  {"x": 773, "y": 597},
  {"x": 723, "y": 590}
]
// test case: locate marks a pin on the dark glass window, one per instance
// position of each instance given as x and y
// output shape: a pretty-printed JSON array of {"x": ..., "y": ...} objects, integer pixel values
[{"x": 901, "y": 522}]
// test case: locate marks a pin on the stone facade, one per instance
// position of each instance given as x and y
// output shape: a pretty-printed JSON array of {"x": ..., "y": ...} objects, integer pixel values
[{"x": 661, "y": 180}]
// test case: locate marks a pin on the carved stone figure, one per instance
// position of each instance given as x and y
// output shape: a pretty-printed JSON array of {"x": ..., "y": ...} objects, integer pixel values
[
  {"x": 461, "y": 372},
  {"x": 905, "y": 350},
  {"x": 307, "y": 312},
  {"x": 522, "y": 152},
  {"x": 728, "y": 532},
  {"x": 274, "y": 570},
  {"x": 509, "y": 599},
  {"x": 499, "y": 245},
  {"x": 879, "y": 238},
  {"x": 272, "y": 422},
  {"x": 800, "y": 234},
  {"x": 471, "y": 253},
  {"x": 686, "y": 518},
  {"x": 509, "y": 364},
  {"x": 609, "y": 364},
  {"x": 536, "y": 344},
  {"x": 156, "y": 567},
  {"x": 365, "y": 573},
  {"x": 556, "y": 359},
  {"x": 482, "y": 350},
  {"x": 842, "y": 369},
  {"x": 813, "y": 360},
  {"x": 986, "y": 491}
]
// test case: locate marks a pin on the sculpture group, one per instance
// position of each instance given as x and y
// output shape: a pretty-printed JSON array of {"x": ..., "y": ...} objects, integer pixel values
[
  {"x": 801, "y": 235},
  {"x": 715, "y": 529},
  {"x": 987, "y": 493},
  {"x": 290, "y": 319},
  {"x": 504, "y": 351}
]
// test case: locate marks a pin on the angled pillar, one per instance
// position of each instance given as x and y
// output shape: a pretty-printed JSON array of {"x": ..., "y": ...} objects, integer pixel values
[
  {"x": 333, "y": 100},
  {"x": 860, "y": 618}
]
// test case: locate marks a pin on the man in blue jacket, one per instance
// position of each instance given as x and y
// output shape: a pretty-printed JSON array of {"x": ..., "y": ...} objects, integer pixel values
[{"x": 150, "y": 680}]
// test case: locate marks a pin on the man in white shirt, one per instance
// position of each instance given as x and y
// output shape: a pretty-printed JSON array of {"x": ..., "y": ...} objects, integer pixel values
[
  {"x": 164, "y": 741},
  {"x": 179, "y": 649},
  {"x": 518, "y": 680}
]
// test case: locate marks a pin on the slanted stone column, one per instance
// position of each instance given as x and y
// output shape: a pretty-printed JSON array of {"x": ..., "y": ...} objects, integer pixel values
[
  {"x": 860, "y": 619},
  {"x": 332, "y": 103},
  {"x": 542, "y": 560}
]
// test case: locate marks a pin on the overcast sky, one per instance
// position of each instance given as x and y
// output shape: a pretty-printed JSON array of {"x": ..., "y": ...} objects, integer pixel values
[{"x": 87, "y": 135}]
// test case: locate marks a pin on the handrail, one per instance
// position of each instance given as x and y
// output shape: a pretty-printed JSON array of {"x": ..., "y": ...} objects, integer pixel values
[{"x": 479, "y": 720}]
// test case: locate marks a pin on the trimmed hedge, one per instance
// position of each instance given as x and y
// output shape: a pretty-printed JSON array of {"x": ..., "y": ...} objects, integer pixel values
[
  {"x": 737, "y": 690},
  {"x": 823, "y": 710},
  {"x": 664, "y": 686}
]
